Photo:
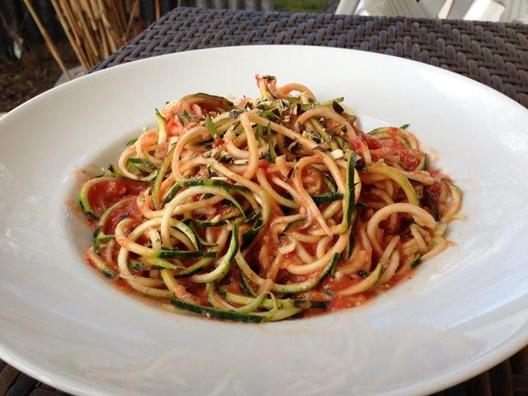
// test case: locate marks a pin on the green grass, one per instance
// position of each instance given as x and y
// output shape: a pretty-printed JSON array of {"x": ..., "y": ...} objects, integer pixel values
[{"x": 300, "y": 5}]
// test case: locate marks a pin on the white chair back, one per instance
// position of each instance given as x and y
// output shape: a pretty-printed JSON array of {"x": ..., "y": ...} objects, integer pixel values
[
  {"x": 515, "y": 11},
  {"x": 479, "y": 10}
]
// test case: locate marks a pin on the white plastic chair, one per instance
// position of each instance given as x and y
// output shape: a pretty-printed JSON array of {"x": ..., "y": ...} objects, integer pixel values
[
  {"x": 347, "y": 7},
  {"x": 481, "y": 10},
  {"x": 408, "y": 8},
  {"x": 515, "y": 11},
  {"x": 477, "y": 10},
  {"x": 489, "y": 10}
]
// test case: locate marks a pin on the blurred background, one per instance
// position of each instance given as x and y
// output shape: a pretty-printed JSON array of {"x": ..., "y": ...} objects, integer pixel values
[{"x": 46, "y": 42}]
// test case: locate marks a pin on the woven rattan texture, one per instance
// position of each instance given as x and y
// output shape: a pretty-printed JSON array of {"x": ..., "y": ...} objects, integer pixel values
[{"x": 494, "y": 54}]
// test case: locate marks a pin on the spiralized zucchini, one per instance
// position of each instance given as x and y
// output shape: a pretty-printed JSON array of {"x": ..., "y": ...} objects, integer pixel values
[{"x": 266, "y": 209}]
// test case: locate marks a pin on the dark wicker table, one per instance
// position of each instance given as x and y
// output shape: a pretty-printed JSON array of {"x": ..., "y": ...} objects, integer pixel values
[{"x": 494, "y": 54}]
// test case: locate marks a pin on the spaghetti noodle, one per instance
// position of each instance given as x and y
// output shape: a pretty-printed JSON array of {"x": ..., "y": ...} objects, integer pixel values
[{"x": 266, "y": 209}]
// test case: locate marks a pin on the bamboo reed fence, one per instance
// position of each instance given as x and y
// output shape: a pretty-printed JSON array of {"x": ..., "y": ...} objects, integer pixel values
[{"x": 94, "y": 28}]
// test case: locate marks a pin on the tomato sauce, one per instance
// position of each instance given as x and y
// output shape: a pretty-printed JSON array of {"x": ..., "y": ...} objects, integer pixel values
[
  {"x": 343, "y": 302},
  {"x": 263, "y": 164},
  {"x": 104, "y": 194},
  {"x": 221, "y": 209},
  {"x": 128, "y": 208},
  {"x": 218, "y": 143}
]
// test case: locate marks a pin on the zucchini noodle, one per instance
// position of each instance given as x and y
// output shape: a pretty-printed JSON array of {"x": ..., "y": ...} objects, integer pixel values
[{"x": 266, "y": 209}]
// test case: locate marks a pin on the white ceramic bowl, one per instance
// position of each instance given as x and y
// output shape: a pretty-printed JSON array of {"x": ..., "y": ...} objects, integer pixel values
[{"x": 463, "y": 311}]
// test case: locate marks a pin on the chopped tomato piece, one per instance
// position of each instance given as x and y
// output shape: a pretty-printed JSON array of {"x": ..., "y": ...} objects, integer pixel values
[
  {"x": 356, "y": 146},
  {"x": 128, "y": 208},
  {"x": 218, "y": 143},
  {"x": 221, "y": 209},
  {"x": 174, "y": 127},
  {"x": 263, "y": 164},
  {"x": 373, "y": 143},
  {"x": 409, "y": 159},
  {"x": 106, "y": 193}
]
